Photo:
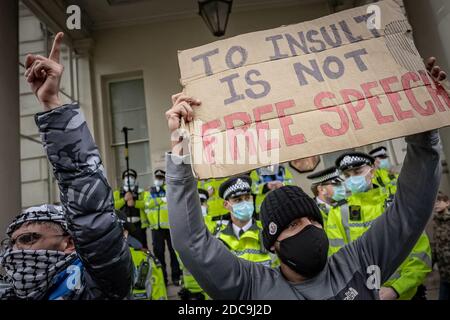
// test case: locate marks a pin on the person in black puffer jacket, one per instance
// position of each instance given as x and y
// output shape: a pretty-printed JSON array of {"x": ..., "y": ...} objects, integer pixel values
[{"x": 76, "y": 251}]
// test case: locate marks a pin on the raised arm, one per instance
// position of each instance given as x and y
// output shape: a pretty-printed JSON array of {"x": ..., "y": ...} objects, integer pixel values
[
  {"x": 221, "y": 274},
  {"x": 393, "y": 235},
  {"x": 85, "y": 193}
]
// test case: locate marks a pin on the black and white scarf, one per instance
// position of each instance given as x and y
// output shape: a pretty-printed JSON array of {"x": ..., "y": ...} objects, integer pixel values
[{"x": 30, "y": 273}]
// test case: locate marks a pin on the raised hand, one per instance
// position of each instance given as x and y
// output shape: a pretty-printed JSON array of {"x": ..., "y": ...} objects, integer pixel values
[
  {"x": 181, "y": 109},
  {"x": 434, "y": 70},
  {"x": 44, "y": 75}
]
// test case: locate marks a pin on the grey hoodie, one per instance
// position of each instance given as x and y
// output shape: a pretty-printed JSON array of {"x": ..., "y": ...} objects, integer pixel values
[{"x": 355, "y": 272}]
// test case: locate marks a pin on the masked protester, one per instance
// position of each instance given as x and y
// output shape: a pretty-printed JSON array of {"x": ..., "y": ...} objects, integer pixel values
[
  {"x": 384, "y": 176},
  {"x": 60, "y": 254},
  {"x": 292, "y": 228},
  {"x": 328, "y": 190},
  {"x": 352, "y": 219},
  {"x": 130, "y": 200}
]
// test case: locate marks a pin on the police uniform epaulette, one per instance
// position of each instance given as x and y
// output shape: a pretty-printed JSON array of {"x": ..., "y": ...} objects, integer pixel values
[{"x": 340, "y": 203}]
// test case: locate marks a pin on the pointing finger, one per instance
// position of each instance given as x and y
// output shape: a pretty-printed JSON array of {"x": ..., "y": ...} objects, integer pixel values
[{"x": 56, "y": 49}]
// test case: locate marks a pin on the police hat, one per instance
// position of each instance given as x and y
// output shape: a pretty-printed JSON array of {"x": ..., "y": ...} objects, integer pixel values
[
  {"x": 380, "y": 152},
  {"x": 330, "y": 175},
  {"x": 236, "y": 186},
  {"x": 351, "y": 160},
  {"x": 203, "y": 194},
  {"x": 159, "y": 173},
  {"x": 130, "y": 173}
]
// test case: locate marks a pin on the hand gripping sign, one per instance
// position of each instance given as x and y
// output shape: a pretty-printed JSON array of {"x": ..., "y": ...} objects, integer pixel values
[{"x": 306, "y": 89}]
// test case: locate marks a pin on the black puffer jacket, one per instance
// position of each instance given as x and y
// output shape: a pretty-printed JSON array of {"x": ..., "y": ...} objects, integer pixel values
[{"x": 88, "y": 204}]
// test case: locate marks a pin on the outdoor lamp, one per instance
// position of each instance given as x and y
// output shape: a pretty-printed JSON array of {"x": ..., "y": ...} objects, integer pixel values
[{"x": 215, "y": 13}]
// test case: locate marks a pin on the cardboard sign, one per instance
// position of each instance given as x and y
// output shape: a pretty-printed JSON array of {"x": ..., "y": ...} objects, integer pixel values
[{"x": 341, "y": 81}]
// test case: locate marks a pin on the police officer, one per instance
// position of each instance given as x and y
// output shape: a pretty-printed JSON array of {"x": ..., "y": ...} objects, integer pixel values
[
  {"x": 367, "y": 202},
  {"x": 158, "y": 216},
  {"x": 384, "y": 176},
  {"x": 148, "y": 276},
  {"x": 269, "y": 178},
  {"x": 215, "y": 203},
  {"x": 130, "y": 200},
  {"x": 243, "y": 235},
  {"x": 328, "y": 190},
  {"x": 191, "y": 290}
]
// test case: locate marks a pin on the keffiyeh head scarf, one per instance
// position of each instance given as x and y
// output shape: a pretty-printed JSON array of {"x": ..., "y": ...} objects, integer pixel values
[
  {"x": 30, "y": 273},
  {"x": 44, "y": 213}
]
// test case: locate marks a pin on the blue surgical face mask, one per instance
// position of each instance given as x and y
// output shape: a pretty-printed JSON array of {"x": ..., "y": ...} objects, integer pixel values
[
  {"x": 243, "y": 210},
  {"x": 357, "y": 184},
  {"x": 129, "y": 181},
  {"x": 159, "y": 182},
  {"x": 385, "y": 164},
  {"x": 339, "y": 193}
]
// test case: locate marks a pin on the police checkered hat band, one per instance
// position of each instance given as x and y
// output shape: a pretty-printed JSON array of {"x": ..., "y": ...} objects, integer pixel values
[
  {"x": 46, "y": 212},
  {"x": 331, "y": 174},
  {"x": 379, "y": 152},
  {"x": 352, "y": 160},
  {"x": 234, "y": 187}
]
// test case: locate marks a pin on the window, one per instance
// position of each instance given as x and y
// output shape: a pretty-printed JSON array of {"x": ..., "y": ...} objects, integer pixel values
[{"x": 127, "y": 101}]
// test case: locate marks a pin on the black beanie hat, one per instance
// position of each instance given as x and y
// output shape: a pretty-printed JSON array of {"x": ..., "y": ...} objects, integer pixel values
[{"x": 281, "y": 207}]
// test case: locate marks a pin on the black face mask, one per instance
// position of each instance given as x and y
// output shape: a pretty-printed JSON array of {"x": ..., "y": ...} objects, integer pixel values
[{"x": 306, "y": 252}]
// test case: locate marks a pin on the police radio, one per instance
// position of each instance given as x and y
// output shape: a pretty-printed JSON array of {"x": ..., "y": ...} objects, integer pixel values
[
  {"x": 355, "y": 213},
  {"x": 143, "y": 271}
]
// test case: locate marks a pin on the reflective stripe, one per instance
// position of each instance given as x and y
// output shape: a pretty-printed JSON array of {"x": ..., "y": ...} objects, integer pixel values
[
  {"x": 267, "y": 264},
  {"x": 161, "y": 225},
  {"x": 362, "y": 224},
  {"x": 250, "y": 251},
  {"x": 422, "y": 256},
  {"x": 133, "y": 219},
  {"x": 395, "y": 276},
  {"x": 345, "y": 216},
  {"x": 336, "y": 242}
]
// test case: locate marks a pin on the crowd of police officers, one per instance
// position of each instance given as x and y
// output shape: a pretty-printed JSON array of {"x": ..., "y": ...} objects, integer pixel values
[{"x": 350, "y": 196}]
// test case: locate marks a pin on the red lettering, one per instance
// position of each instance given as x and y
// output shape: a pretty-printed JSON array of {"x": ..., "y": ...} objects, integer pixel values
[
  {"x": 352, "y": 109},
  {"x": 209, "y": 140},
  {"x": 327, "y": 129},
  {"x": 435, "y": 90},
  {"x": 286, "y": 121},
  {"x": 263, "y": 128},
  {"x": 394, "y": 98},
  {"x": 232, "y": 133},
  {"x": 374, "y": 101},
  {"x": 407, "y": 78}
]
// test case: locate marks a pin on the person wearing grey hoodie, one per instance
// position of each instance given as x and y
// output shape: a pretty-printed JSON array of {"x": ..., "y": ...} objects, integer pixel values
[{"x": 292, "y": 228}]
